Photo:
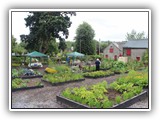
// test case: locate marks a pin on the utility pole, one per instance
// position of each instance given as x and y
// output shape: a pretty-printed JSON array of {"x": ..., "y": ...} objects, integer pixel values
[{"x": 99, "y": 46}]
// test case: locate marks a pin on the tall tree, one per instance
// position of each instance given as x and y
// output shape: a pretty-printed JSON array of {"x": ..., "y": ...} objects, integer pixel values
[
  {"x": 53, "y": 47},
  {"x": 13, "y": 43},
  {"x": 135, "y": 36},
  {"x": 84, "y": 39},
  {"x": 62, "y": 45},
  {"x": 43, "y": 26}
]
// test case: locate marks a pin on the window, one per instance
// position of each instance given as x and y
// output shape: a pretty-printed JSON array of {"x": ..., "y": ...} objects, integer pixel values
[
  {"x": 111, "y": 50},
  {"x": 128, "y": 52},
  {"x": 138, "y": 58}
]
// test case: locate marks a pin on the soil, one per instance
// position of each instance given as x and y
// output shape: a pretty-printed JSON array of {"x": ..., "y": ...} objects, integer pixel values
[
  {"x": 112, "y": 94},
  {"x": 46, "y": 97},
  {"x": 33, "y": 82}
]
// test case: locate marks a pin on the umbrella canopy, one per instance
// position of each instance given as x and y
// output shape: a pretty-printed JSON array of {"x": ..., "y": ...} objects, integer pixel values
[
  {"x": 75, "y": 54},
  {"x": 36, "y": 54}
]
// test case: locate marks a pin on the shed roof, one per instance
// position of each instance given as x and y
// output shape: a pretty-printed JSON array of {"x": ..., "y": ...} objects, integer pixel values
[
  {"x": 143, "y": 43},
  {"x": 36, "y": 54}
]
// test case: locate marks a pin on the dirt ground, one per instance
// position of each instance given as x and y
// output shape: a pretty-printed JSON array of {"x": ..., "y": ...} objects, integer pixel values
[{"x": 46, "y": 97}]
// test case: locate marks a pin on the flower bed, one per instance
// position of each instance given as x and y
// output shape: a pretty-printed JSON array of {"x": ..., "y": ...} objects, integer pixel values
[
  {"x": 25, "y": 73},
  {"x": 98, "y": 74},
  {"x": 20, "y": 84},
  {"x": 125, "y": 90},
  {"x": 60, "y": 78}
]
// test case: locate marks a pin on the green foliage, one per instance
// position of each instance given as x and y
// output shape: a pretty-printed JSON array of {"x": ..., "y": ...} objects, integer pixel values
[
  {"x": 52, "y": 47},
  {"x": 13, "y": 43},
  {"x": 118, "y": 99},
  {"x": 19, "y": 49},
  {"x": 89, "y": 68},
  {"x": 18, "y": 83},
  {"x": 135, "y": 65},
  {"x": 98, "y": 74},
  {"x": 135, "y": 36},
  {"x": 145, "y": 57},
  {"x": 106, "y": 64},
  {"x": 62, "y": 77},
  {"x": 119, "y": 66},
  {"x": 93, "y": 96},
  {"x": 131, "y": 84},
  {"x": 84, "y": 39},
  {"x": 15, "y": 73},
  {"x": 45, "y": 25}
]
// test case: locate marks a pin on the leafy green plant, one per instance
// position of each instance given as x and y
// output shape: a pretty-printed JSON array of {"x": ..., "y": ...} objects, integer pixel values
[
  {"x": 93, "y": 96},
  {"x": 98, "y": 74},
  {"x": 14, "y": 73},
  {"x": 62, "y": 77},
  {"x": 118, "y": 99}
]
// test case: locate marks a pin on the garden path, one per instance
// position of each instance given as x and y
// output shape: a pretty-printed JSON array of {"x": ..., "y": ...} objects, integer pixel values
[{"x": 46, "y": 97}]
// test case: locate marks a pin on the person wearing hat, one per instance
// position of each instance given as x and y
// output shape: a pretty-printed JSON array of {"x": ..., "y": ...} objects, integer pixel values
[{"x": 97, "y": 64}]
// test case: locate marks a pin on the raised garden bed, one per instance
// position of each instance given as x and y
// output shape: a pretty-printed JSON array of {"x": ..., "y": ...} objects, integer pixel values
[
  {"x": 62, "y": 77},
  {"x": 98, "y": 74},
  {"x": 126, "y": 89},
  {"x": 27, "y": 88},
  {"x": 62, "y": 83},
  {"x": 116, "y": 72},
  {"x": 70, "y": 103},
  {"x": 24, "y": 84},
  {"x": 29, "y": 77}
]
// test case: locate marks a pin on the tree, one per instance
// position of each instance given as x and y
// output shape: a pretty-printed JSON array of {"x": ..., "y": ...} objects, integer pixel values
[
  {"x": 84, "y": 39},
  {"x": 62, "y": 45},
  {"x": 13, "y": 43},
  {"x": 53, "y": 47},
  {"x": 19, "y": 49},
  {"x": 135, "y": 36},
  {"x": 43, "y": 26}
]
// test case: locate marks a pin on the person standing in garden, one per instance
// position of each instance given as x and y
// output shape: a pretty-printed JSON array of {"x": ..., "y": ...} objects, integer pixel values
[{"x": 97, "y": 64}]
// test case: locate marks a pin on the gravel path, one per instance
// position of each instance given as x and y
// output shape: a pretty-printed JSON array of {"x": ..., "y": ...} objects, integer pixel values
[{"x": 46, "y": 97}]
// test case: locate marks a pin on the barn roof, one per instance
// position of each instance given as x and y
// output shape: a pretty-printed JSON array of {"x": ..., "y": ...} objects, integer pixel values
[{"x": 143, "y": 43}]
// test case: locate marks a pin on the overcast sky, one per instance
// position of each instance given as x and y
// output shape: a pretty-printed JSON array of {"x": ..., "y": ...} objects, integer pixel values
[{"x": 111, "y": 26}]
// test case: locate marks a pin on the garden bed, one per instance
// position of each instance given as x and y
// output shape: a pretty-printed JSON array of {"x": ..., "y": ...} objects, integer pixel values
[
  {"x": 62, "y": 83},
  {"x": 70, "y": 103},
  {"x": 24, "y": 84},
  {"x": 27, "y": 88},
  {"x": 99, "y": 76},
  {"x": 116, "y": 72},
  {"x": 126, "y": 89},
  {"x": 29, "y": 77}
]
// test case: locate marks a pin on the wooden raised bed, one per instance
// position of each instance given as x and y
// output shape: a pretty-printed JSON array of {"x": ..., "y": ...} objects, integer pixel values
[
  {"x": 99, "y": 76},
  {"x": 28, "y": 77},
  {"x": 27, "y": 88},
  {"x": 70, "y": 103},
  {"x": 62, "y": 83}
]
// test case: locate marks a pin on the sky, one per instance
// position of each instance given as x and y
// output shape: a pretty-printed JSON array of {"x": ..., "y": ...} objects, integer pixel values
[{"x": 111, "y": 26}]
